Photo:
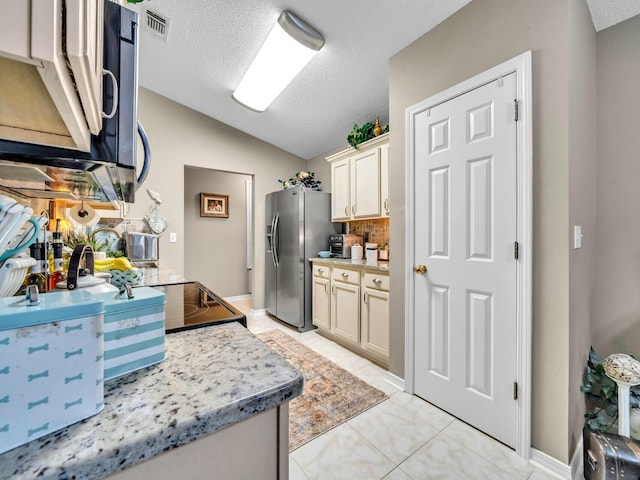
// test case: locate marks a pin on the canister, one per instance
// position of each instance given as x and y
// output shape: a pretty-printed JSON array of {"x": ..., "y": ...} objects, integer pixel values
[
  {"x": 51, "y": 364},
  {"x": 371, "y": 251},
  {"x": 134, "y": 330},
  {"x": 356, "y": 251}
]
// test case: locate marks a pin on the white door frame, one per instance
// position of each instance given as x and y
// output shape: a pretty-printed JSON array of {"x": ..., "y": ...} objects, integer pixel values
[{"x": 522, "y": 66}]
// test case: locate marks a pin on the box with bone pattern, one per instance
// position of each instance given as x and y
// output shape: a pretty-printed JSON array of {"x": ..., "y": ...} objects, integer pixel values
[{"x": 51, "y": 364}]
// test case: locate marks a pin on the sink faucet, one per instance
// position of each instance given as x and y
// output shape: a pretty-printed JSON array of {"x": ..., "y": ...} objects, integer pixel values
[{"x": 105, "y": 229}]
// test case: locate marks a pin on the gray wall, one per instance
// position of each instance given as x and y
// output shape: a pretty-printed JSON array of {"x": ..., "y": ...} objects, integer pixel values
[
  {"x": 479, "y": 36},
  {"x": 616, "y": 326},
  {"x": 180, "y": 136},
  {"x": 582, "y": 203},
  {"x": 216, "y": 248}
]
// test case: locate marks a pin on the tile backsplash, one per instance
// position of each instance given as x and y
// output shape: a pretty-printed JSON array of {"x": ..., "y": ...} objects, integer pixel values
[{"x": 378, "y": 229}]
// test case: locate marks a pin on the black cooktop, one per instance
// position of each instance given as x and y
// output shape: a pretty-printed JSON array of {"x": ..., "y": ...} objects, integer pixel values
[{"x": 192, "y": 305}]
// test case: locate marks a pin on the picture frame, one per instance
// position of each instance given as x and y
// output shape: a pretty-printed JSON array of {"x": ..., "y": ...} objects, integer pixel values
[{"x": 214, "y": 205}]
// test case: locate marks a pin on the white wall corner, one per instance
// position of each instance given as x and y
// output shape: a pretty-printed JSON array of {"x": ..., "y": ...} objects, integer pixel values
[
  {"x": 395, "y": 381},
  {"x": 550, "y": 465}
]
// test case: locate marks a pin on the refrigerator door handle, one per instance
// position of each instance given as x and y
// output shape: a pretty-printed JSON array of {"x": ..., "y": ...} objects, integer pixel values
[
  {"x": 276, "y": 239},
  {"x": 271, "y": 240}
]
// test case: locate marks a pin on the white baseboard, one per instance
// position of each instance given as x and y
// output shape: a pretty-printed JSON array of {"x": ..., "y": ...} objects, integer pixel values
[
  {"x": 577, "y": 462},
  {"x": 246, "y": 296},
  {"x": 395, "y": 381},
  {"x": 260, "y": 311},
  {"x": 550, "y": 465}
]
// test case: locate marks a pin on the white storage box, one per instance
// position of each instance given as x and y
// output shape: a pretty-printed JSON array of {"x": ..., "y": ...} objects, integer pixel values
[
  {"x": 51, "y": 365},
  {"x": 134, "y": 331}
]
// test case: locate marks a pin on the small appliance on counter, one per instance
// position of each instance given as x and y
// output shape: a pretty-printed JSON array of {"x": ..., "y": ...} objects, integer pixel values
[
  {"x": 371, "y": 251},
  {"x": 340, "y": 244},
  {"x": 142, "y": 248},
  {"x": 356, "y": 251}
]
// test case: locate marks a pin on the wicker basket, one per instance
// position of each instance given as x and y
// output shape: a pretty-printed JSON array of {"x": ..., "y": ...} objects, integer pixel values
[{"x": 124, "y": 277}]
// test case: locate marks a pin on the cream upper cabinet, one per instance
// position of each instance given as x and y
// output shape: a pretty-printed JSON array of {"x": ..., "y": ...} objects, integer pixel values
[
  {"x": 359, "y": 181},
  {"x": 384, "y": 180},
  {"x": 341, "y": 190},
  {"x": 51, "y": 71},
  {"x": 365, "y": 184}
]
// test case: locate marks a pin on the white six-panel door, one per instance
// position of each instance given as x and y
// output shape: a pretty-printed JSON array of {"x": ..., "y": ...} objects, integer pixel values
[{"x": 465, "y": 229}]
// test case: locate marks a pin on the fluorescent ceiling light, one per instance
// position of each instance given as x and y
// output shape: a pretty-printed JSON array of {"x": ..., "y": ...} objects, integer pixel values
[{"x": 291, "y": 44}]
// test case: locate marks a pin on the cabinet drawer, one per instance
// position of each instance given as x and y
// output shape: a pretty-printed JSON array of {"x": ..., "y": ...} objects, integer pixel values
[
  {"x": 376, "y": 280},
  {"x": 344, "y": 275},
  {"x": 321, "y": 271}
]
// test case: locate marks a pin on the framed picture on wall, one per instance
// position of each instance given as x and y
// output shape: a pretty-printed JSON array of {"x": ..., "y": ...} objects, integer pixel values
[{"x": 214, "y": 205}]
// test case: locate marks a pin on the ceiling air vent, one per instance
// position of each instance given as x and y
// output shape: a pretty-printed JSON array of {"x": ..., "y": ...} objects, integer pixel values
[{"x": 156, "y": 23}]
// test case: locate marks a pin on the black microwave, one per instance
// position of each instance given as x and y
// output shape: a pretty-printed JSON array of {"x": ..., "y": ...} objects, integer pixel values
[{"x": 108, "y": 171}]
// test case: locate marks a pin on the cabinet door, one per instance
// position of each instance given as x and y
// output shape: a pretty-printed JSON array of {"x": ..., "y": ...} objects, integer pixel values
[
  {"x": 384, "y": 180},
  {"x": 85, "y": 33},
  {"x": 321, "y": 303},
  {"x": 375, "y": 321},
  {"x": 340, "y": 189},
  {"x": 365, "y": 184},
  {"x": 345, "y": 318}
]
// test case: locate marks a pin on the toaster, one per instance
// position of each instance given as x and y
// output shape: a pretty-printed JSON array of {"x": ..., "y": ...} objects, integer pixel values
[{"x": 340, "y": 244}]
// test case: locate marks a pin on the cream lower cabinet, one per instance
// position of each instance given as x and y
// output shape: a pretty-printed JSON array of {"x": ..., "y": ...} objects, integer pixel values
[
  {"x": 321, "y": 303},
  {"x": 345, "y": 304},
  {"x": 375, "y": 314},
  {"x": 358, "y": 306}
]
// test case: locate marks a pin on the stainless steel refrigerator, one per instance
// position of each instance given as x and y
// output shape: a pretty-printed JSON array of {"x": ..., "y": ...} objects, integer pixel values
[{"x": 298, "y": 227}]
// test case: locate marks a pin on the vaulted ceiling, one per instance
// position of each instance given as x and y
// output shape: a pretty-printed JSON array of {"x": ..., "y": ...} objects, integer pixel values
[{"x": 209, "y": 44}]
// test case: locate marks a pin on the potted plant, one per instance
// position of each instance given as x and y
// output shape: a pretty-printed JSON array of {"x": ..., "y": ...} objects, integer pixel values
[
  {"x": 601, "y": 394},
  {"x": 383, "y": 251}
]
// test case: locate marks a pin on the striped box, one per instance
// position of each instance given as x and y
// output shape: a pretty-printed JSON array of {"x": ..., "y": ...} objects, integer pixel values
[
  {"x": 51, "y": 365},
  {"x": 134, "y": 331}
]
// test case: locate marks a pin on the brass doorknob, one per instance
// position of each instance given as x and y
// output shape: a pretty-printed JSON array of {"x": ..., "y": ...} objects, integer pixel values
[{"x": 421, "y": 269}]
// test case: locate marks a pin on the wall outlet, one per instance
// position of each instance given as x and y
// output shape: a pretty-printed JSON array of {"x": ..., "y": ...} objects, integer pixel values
[{"x": 173, "y": 237}]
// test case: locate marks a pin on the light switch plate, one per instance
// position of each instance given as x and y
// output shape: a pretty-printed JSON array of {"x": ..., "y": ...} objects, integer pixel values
[
  {"x": 577, "y": 236},
  {"x": 173, "y": 237}
]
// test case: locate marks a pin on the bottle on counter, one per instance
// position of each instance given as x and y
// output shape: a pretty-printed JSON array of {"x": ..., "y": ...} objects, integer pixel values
[
  {"x": 37, "y": 273},
  {"x": 58, "y": 274}
]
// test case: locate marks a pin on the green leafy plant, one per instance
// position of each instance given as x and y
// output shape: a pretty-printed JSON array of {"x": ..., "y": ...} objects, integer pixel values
[
  {"x": 71, "y": 238},
  {"x": 601, "y": 394},
  {"x": 358, "y": 135}
]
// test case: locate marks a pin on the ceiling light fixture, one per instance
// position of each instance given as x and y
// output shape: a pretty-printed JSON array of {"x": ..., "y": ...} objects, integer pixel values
[{"x": 291, "y": 44}]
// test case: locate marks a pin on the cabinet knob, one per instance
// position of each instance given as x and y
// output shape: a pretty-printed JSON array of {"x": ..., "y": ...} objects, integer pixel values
[
  {"x": 386, "y": 205},
  {"x": 345, "y": 274},
  {"x": 377, "y": 280},
  {"x": 320, "y": 271},
  {"x": 353, "y": 209},
  {"x": 346, "y": 210}
]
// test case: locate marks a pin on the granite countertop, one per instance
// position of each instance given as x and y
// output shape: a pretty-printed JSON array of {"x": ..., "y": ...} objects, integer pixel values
[
  {"x": 378, "y": 265},
  {"x": 211, "y": 378},
  {"x": 160, "y": 276}
]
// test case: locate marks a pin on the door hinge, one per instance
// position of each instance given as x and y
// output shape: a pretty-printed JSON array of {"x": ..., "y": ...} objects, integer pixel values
[
  {"x": 515, "y": 390},
  {"x": 516, "y": 250},
  {"x": 517, "y": 110}
]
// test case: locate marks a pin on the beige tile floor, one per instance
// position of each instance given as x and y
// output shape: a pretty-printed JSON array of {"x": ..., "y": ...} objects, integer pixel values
[{"x": 402, "y": 438}]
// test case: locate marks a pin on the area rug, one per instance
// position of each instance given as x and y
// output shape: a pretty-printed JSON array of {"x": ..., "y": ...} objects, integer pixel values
[{"x": 330, "y": 396}]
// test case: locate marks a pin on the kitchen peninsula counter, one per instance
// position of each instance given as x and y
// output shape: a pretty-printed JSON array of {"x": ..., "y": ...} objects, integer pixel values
[
  {"x": 212, "y": 378},
  {"x": 378, "y": 265},
  {"x": 160, "y": 276}
]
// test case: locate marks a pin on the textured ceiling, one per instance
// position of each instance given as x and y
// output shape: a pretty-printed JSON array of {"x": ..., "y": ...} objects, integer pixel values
[
  {"x": 210, "y": 43},
  {"x": 606, "y": 13}
]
